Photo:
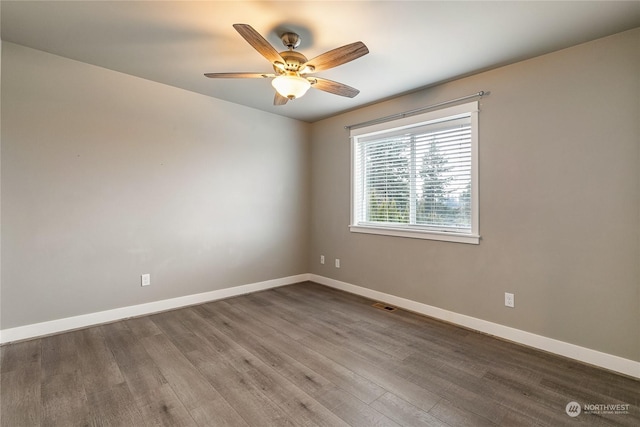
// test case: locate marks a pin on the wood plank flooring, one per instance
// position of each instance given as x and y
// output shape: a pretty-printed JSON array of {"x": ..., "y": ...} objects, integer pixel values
[{"x": 299, "y": 355}]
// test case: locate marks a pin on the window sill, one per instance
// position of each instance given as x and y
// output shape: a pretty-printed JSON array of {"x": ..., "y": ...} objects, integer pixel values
[{"x": 418, "y": 234}]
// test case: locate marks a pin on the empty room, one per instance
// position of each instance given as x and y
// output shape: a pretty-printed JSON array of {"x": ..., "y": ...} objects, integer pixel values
[{"x": 336, "y": 213}]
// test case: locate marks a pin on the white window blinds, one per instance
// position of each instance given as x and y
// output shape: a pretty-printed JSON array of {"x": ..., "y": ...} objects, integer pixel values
[{"x": 418, "y": 176}]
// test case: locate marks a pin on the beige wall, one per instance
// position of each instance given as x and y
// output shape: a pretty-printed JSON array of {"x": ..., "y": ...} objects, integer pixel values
[
  {"x": 559, "y": 210},
  {"x": 106, "y": 176}
]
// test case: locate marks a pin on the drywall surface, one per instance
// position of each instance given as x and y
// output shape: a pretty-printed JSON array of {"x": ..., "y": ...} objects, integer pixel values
[
  {"x": 106, "y": 176},
  {"x": 559, "y": 180}
]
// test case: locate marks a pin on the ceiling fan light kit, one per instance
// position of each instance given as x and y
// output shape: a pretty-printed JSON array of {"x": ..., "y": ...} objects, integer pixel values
[
  {"x": 291, "y": 86},
  {"x": 291, "y": 68}
]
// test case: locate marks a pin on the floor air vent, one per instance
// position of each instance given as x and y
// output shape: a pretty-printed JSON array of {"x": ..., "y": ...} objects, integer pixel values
[{"x": 384, "y": 307}]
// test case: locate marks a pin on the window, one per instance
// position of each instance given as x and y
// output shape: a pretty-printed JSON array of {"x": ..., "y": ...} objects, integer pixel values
[{"x": 417, "y": 176}]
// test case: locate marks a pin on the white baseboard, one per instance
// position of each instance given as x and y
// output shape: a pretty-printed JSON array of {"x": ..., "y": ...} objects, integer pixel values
[
  {"x": 586, "y": 355},
  {"x": 76, "y": 322},
  {"x": 582, "y": 354}
]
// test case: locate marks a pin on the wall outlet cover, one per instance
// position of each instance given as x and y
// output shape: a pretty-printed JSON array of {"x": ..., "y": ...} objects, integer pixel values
[
  {"x": 509, "y": 300},
  {"x": 145, "y": 279}
]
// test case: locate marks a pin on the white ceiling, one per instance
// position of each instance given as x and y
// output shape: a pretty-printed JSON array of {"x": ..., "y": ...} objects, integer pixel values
[{"x": 412, "y": 44}]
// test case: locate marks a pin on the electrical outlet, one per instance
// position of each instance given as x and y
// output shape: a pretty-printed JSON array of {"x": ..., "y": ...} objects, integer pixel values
[
  {"x": 337, "y": 263},
  {"x": 509, "y": 300},
  {"x": 145, "y": 279},
  {"x": 321, "y": 259}
]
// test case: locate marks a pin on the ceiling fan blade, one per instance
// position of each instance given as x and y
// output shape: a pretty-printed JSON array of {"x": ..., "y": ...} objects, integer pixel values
[
  {"x": 259, "y": 43},
  {"x": 333, "y": 87},
  {"x": 279, "y": 99},
  {"x": 239, "y": 75},
  {"x": 338, "y": 56}
]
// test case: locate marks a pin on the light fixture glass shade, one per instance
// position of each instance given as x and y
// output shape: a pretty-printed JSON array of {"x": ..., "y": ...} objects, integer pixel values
[{"x": 291, "y": 86}]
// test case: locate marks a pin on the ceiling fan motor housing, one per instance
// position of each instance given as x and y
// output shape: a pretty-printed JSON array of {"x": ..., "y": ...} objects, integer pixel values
[{"x": 293, "y": 60}]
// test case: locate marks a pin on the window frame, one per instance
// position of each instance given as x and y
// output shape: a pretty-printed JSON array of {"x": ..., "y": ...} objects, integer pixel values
[{"x": 470, "y": 109}]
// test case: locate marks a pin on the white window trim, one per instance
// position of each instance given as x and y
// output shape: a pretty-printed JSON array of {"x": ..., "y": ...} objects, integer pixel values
[{"x": 415, "y": 232}]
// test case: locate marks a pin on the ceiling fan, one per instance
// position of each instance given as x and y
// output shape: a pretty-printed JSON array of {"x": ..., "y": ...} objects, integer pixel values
[{"x": 291, "y": 78}]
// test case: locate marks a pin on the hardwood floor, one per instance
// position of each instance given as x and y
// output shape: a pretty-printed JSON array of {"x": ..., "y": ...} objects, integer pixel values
[{"x": 297, "y": 355}]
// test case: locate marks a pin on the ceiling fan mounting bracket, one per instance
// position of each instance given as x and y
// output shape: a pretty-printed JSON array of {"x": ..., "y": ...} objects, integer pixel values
[{"x": 290, "y": 40}]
